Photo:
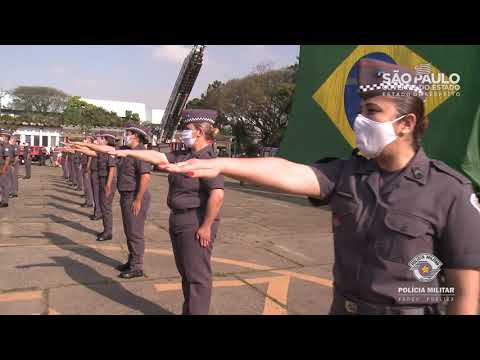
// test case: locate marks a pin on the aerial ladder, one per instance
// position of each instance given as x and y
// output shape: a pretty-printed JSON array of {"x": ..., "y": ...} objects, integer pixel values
[{"x": 180, "y": 93}]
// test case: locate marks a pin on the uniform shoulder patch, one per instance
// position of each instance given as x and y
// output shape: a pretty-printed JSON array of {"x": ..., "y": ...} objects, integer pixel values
[
  {"x": 444, "y": 168},
  {"x": 475, "y": 202}
]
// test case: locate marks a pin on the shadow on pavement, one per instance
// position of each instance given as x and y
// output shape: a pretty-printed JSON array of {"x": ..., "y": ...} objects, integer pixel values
[
  {"x": 61, "y": 191},
  {"x": 112, "y": 289},
  {"x": 64, "y": 208},
  {"x": 54, "y": 197},
  {"x": 72, "y": 224},
  {"x": 61, "y": 185},
  {"x": 268, "y": 193}
]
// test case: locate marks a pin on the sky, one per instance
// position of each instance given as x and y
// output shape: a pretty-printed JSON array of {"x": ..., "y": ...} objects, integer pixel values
[{"x": 135, "y": 73}]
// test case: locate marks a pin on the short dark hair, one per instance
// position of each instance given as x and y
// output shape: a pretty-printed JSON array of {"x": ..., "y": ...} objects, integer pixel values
[{"x": 141, "y": 137}]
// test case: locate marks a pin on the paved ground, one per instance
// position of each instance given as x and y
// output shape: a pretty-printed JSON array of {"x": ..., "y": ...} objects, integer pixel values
[{"x": 273, "y": 255}]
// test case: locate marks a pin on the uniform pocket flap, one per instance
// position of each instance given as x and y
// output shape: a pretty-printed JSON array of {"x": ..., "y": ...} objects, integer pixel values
[
  {"x": 342, "y": 205},
  {"x": 406, "y": 224}
]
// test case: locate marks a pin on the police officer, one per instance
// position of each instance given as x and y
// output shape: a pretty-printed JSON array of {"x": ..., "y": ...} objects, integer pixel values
[
  {"x": 77, "y": 171},
  {"x": 65, "y": 161},
  {"x": 195, "y": 205},
  {"x": 53, "y": 156},
  {"x": 92, "y": 169},
  {"x": 13, "y": 169},
  {"x": 399, "y": 218},
  {"x": 27, "y": 154},
  {"x": 66, "y": 165},
  {"x": 132, "y": 184},
  {"x": 71, "y": 177},
  {"x": 107, "y": 185},
  {"x": 71, "y": 167},
  {"x": 86, "y": 174},
  {"x": 95, "y": 181},
  {"x": 5, "y": 161},
  {"x": 133, "y": 177}
]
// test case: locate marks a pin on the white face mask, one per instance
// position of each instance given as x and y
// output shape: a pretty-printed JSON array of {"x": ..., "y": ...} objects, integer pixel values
[
  {"x": 372, "y": 136},
  {"x": 187, "y": 138},
  {"x": 127, "y": 139}
]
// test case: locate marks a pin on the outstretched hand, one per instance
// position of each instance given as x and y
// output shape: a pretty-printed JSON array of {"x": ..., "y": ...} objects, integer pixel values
[
  {"x": 119, "y": 153},
  {"x": 194, "y": 168}
]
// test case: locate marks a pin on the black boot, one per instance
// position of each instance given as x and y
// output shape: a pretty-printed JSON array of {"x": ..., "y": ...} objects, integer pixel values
[
  {"x": 123, "y": 267},
  {"x": 102, "y": 237},
  {"x": 130, "y": 274}
]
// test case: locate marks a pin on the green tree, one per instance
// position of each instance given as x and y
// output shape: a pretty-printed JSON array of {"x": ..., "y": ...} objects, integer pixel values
[
  {"x": 39, "y": 99},
  {"x": 256, "y": 106},
  {"x": 132, "y": 117},
  {"x": 87, "y": 116},
  {"x": 194, "y": 103}
]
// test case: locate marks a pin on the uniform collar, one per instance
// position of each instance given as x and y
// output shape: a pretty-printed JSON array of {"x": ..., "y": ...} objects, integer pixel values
[
  {"x": 364, "y": 165},
  {"x": 416, "y": 170},
  {"x": 207, "y": 148}
]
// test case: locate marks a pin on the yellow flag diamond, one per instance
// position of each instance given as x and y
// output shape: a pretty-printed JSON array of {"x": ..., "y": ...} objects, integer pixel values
[{"x": 330, "y": 94}]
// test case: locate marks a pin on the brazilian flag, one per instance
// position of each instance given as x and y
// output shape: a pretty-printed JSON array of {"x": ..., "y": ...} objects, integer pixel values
[{"x": 326, "y": 102}]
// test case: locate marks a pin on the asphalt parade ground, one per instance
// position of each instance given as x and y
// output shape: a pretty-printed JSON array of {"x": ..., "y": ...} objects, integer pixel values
[{"x": 273, "y": 254}]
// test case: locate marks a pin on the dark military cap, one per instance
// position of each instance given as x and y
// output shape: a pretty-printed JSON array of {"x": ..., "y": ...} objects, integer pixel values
[
  {"x": 5, "y": 132},
  {"x": 199, "y": 116},
  {"x": 377, "y": 77},
  {"x": 106, "y": 134},
  {"x": 139, "y": 129}
]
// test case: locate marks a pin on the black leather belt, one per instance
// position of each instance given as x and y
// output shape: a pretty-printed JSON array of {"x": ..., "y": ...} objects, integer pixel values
[
  {"x": 342, "y": 304},
  {"x": 182, "y": 211}
]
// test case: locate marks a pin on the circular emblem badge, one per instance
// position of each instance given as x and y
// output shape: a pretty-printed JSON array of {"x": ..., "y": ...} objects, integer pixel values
[{"x": 425, "y": 267}]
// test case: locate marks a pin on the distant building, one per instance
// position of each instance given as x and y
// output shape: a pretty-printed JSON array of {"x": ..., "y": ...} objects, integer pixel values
[
  {"x": 39, "y": 135},
  {"x": 157, "y": 116},
  {"x": 121, "y": 107}
]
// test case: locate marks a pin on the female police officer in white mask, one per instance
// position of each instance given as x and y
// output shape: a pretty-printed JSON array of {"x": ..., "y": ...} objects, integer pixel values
[
  {"x": 194, "y": 205},
  {"x": 399, "y": 218}
]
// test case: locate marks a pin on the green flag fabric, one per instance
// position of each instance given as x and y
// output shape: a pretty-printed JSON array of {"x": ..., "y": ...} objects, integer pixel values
[{"x": 326, "y": 101}]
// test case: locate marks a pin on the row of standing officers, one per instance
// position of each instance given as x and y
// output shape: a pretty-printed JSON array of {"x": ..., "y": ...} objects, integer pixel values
[
  {"x": 97, "y": 167},
  {"x": 9, "y": 166}
]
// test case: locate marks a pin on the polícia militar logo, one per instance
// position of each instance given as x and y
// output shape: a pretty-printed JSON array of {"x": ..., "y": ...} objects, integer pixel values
[{"x": 425, "y": 267}]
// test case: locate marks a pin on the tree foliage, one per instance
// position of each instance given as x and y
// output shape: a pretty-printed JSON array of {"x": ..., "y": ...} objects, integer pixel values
[
  {"x": 253, "y": 108},
  {"x": 39, "y": 99}
]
